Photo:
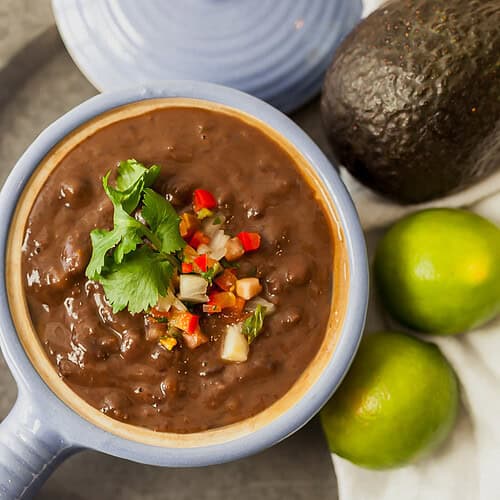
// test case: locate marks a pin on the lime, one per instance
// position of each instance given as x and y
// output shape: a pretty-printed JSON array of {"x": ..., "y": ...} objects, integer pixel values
[
  {"x": 398, "y": 401},
  {"x": 438, "y": 271}
]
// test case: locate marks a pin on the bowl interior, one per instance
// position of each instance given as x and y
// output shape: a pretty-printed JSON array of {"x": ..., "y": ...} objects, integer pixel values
[{"x": 34, "y": 349}]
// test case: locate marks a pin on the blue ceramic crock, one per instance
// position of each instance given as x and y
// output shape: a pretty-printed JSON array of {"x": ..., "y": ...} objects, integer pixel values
[{"x": 41, "y": 430}]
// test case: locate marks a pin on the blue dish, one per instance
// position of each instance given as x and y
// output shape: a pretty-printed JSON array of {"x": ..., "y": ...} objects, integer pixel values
[
  {"x": 42, "y": 430},
  {"x": 277, "y": 50}
]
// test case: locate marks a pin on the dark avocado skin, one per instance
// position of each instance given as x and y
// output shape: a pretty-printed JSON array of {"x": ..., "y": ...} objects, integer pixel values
[{"x": 411, "y": 102}]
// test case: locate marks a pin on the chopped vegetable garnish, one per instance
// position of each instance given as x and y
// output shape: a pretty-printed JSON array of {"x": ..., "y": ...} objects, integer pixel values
[
  {"x": 251, "y": 305},
  {"x": 145, "y": 265},
  {"x": 222, "y": 299},
  {"x": 211, "y": 225},
  {"x": 195, "y": 339},
  {"x": 234, "y": 249},
  {"x": 212, "y": 272},
  {"x": 211, "y": 308},
  {"x": 188, "y": 225},
  {"x": 217, "y": 245},
  {"x": 166, "y": 302},
  {"x": 201, "y": 262},
  {"x": 226, "y": 281},
  {"x": 186, "y": 267},
  {"x": 204, "y": 213},
  {"x": 185, "y": 321},
  {"x": 168, "y": 342},
  {"x": 193, "y": 288},
  {"x": 238, "y": 308},
  {"x": 250, "y": 241},
  {"x": 198, "y": 239},
  {"x": 253, "y": 325},
  {"x": 248, "y": 288},
  {"x": 203, "y": 199},
  {"x": 235, "y": 345}
]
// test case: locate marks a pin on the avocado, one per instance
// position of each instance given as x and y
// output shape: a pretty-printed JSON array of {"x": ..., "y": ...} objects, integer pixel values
[{"x": 411, "y": 101}]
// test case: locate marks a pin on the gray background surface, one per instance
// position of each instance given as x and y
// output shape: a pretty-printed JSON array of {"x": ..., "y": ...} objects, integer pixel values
[{"x": 38, "y": 83}]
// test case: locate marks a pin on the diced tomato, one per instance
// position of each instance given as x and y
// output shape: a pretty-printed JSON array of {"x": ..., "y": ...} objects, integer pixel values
[
  {"x": 195, "y": 339},
  {"x": 157, "y": 313},
  {"x": 201, "y": 262},
  {"x": 189, "y": 254},
  {"x": 211, "y": 262},
  {"x": 203, "y": 199},
  {"x": 226, "y": 281},
  {"x": 222, "y": 299},
  {"x": 250, "y": 241},
  {"x": 185, "y": 321},
  {"x": 186, "y": 268},
  {"x": 234, "y": 249},
  {"x": 188, "y": 225},
  {"x": 198, "y": 239},
  {"x": 211, "y": 308},
  {"x": 238, "y": 308}
]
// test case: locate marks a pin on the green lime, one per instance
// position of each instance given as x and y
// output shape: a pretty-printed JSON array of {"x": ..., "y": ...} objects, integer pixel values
[
  {"x": 398, "y": 401},
  {"x": 438, "y": 271}
]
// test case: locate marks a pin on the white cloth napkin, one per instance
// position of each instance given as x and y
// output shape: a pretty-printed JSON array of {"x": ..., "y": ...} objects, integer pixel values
[{"x": 467, "y": 466}]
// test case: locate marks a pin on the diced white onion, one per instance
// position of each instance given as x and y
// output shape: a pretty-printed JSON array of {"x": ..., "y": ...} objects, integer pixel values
[
  {"x": 179, "y": 305},
  {"x": 235, "y": 345},
  {"x": 203, "y": 249},
  {"x": 251, "y": 305},
  {"x": 165, "y": 303},
  {"x": 209, "y": 226},
  {"x": 193, "y": 288},
  {"x": 218, "y": 245}
]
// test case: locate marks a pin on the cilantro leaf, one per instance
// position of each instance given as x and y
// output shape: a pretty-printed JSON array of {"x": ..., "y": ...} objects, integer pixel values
[
  {"x": 211, "y": 273},
  {"x": 133, "y": 262},
  {"x": 163, "y": 221},
  {"x": 129, "y": 198},
  {"x": 102, "y": 242},
  {"x": 138, "y": 281},
  {"x": 130, "y": 171},
  {"x": 253, "y": 325},
  {"x": 131, "y": 180},
  {"x": 131, "y": 231},
  {"x": 127, "y": 234}
]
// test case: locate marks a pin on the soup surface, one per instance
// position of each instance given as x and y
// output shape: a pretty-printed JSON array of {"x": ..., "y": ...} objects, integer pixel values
[{"x": 108, "y": 358}]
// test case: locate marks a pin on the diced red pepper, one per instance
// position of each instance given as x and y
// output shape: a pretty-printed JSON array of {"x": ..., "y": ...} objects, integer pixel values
[
  {"x": 185, "y": 321},
  {"x": 226, "y": 281},
  {"x": 202, "y": 262},
  {"x": 198, "y": 239},
  {"x": 250, "y": 241},
  {"x": 203, "y": 199},
  {"x": 186, "y": 268}
]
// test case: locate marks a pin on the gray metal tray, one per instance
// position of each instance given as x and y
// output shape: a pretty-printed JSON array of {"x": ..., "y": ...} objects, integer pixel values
[{"x": 38, "y": 83}]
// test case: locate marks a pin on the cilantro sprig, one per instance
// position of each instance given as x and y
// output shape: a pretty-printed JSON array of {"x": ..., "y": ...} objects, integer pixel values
[
  {"x": 253, "y": 325},
  {"x": 135, "y": 262}
]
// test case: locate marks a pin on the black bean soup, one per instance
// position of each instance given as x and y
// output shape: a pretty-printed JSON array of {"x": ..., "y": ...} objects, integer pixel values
[{"x": 244, "y": 297}]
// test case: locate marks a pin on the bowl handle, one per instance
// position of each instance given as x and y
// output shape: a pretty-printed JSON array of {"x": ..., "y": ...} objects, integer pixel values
[{"x": 30, "y": 450}]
